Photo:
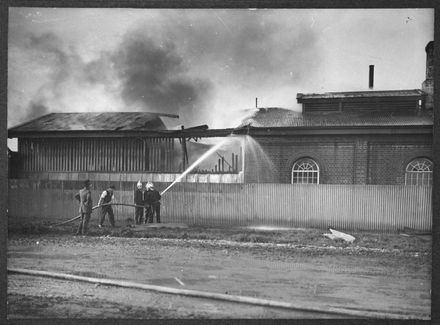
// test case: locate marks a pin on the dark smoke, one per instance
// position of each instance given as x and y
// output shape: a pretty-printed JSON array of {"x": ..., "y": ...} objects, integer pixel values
[
  {"x": 176, "y": 63},
  {"x": 64, "y": 74},
  {"x": 149, "y": 76},
  {"x": 154, "y": 76},
  {"x": 35, "y": 110}
]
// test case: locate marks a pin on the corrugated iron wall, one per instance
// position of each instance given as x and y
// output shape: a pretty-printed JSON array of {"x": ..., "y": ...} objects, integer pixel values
[
  {"x": 355, "y": 207},
  {"x": 363, "y": 207},
  {"x": 97, "y": 154}
]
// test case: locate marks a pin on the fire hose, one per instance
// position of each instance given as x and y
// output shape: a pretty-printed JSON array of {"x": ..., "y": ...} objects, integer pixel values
[
  {"x": 94, "y": 208},
  {"x": 297, "y": 306}
]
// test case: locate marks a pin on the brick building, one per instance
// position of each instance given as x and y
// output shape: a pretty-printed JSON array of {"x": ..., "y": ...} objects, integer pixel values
[{"x": 365, "y": 137}]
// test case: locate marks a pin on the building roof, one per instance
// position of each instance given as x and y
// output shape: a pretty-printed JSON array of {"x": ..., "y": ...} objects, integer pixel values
[
  {"x": 108, "y": 121},
  {"x": 263, "y": 122},
  {"x": 361, "y": 94},
  {"x": 280, "y": 117}
]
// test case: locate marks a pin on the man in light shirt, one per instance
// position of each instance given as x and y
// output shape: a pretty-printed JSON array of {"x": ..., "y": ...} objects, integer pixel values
[{"x": 107, "y": 197}]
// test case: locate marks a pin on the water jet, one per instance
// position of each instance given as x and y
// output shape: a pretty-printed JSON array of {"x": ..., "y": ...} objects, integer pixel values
[{"x": 197, "y": 162}]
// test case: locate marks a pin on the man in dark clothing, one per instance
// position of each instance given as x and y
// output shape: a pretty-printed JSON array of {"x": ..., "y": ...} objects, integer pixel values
[
  {"x": 85, "y": 208},
  {"x": 152, "y": 203},
  {"x": 107, "y": 197},
  {"x": 138, "y": 200}
]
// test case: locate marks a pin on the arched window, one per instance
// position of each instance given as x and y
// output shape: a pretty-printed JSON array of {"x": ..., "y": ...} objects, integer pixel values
[
  {"x": 305, "y": 171},
  {"x": 419, "y": 172}
]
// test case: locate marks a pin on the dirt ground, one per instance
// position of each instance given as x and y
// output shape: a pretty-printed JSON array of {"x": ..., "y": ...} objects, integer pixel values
[{"x": 389, "y": 279}]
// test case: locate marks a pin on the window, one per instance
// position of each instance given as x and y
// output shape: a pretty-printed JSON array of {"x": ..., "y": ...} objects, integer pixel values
[
  {"x": 419, "y": 172},
  {"x": 305, "y": 171}
]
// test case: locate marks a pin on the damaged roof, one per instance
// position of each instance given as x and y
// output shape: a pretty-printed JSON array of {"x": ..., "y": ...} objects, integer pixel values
[
  {"x": 108, "y": 121},
  {"x": 281, "y": 117}
]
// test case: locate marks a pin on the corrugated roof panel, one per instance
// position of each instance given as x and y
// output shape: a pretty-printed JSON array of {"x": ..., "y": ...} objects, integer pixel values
[
  {"x": 279, "y": 117},
  {"x": 108, "y": 121},
  {"x": 361, "y": 94}
]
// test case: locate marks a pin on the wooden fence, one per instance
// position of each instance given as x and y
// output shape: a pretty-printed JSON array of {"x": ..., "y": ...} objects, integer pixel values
[{"x": 349, "y": 207}]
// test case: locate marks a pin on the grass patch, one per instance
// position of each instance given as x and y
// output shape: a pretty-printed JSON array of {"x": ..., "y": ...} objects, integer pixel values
[
  {"x": 251, "y": 237},
  {"x": 293, "y": 236}
]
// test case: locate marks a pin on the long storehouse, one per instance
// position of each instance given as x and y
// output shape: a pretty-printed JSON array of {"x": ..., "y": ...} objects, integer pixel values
[
  {"x": 64, "y": 145},
  {"x": 94, "y": 142}
]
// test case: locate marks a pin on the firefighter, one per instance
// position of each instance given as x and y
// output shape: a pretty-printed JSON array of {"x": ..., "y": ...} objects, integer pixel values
[
  {"x": 107, "y": 197},
  {"x": 138, "y": 200},
  {"x": 85, "y": 207},
  {"x": 152, "y": 203}
]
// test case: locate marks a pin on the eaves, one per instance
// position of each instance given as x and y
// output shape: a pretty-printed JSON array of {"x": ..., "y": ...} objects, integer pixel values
[{"x": 247, "y": 130}]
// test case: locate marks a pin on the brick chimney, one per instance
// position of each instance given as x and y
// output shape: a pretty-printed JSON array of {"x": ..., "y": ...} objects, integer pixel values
[
  {"x": 371, "y": 77},
  {"x": 428, "y": 84}
]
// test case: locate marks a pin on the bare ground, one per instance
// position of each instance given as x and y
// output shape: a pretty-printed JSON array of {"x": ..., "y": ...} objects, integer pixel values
[{"x": 378, "y": 272}]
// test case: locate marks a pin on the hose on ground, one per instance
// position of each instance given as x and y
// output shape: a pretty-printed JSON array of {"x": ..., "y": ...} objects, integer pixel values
[
  {"x": 95, "y": 207},
  {"x": 218, "y": 296}
]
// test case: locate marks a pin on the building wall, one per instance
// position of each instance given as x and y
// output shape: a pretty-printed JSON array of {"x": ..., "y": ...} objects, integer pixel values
[
  {"x": 362, "y": 159},
  {"x": 109, "y": 178},
  {"x": 388, "y": 160},
  {"x": 98, "y": 154},
  {"x": 114, "y": 155}
]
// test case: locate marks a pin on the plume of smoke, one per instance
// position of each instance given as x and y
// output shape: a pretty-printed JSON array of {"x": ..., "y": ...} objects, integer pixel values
[
  {"x": 139, "y": 75},
  {"x": 153, "y": 76},
  {"x": 56, "y": 79},
  {"x": 36, "y": 109},
  {"x": 251, "y": 54},
  {"x": 190, "y": 64}
]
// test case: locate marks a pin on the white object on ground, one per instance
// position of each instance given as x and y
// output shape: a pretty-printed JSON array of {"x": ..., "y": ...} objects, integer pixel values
[
  {"x": 330, "y": 236},
  {"x": 339, "y": 235},
  {"x": 180, "y": 281}
]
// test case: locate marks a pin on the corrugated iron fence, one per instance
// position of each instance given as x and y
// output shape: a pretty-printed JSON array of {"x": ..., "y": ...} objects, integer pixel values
[{"x": 355, "y": 207}]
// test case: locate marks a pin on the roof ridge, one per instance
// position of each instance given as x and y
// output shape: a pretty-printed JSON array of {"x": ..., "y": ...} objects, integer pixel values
[
  {"x": 31, "y": 121},
  {"x": 87, "y": 121},
  {"x": 363, "y": 91},
  {"x": 107, "y": 112}
]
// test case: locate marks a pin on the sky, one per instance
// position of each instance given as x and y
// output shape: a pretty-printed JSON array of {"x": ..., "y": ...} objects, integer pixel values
[{"x": 206, "y": 65}]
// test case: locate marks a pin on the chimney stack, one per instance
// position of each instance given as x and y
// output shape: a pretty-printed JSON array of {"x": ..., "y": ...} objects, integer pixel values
[
  {"x": 428, "y": 84},
  {"x": 371, "y": 79}
]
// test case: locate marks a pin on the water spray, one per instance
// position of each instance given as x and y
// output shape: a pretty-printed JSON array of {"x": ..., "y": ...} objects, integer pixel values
[
  {"x": 204, "y": 156},
  {"x": 194, "y": 164}
]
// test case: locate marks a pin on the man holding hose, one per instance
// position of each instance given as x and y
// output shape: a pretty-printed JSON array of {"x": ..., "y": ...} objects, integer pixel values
[
  {"x": 107, "y": 197},
  {"x": 138, "y": 200},
  {"x": 85, "y": 208},
  {"x": 152, "y": 203}
]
